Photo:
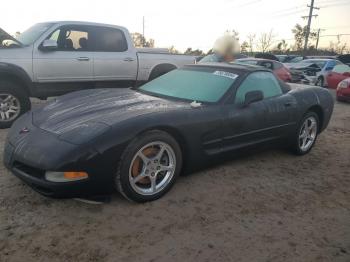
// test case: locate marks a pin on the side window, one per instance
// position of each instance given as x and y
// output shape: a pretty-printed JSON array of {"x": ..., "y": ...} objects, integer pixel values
[
  {"x": 72, "y": 38},
  {"x": 263, "y": 81},
  {"x": 109, "y": 40}
]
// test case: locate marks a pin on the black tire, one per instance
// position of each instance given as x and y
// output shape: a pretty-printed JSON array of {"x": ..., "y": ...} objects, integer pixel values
[
  {"x": 15, "y": 90},
  {"x": 296, "y": 139},
  {"x": 160, "y": 70},
  {"x": 320, "y": 82},
  {"x": 122, "y": 181}
]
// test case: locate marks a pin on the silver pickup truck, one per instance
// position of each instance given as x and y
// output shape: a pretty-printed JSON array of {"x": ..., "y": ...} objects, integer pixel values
[{"x": 55, "y": 58}]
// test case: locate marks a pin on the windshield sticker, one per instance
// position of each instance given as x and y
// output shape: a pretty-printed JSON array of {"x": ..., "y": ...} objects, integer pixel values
[{"x": 225, "y": 74}]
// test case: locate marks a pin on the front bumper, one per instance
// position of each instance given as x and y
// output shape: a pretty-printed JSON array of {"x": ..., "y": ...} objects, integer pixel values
[
  {"x": 29, "y": 155},
  {"x": 343, "y": 94}
]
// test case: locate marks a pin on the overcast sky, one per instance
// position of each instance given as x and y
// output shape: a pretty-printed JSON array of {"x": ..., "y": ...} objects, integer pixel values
[{"x": 185, "y": 23}]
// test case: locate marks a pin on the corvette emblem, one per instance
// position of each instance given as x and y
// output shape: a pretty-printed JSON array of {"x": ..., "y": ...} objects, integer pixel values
[{"x": 24, "y": 131}]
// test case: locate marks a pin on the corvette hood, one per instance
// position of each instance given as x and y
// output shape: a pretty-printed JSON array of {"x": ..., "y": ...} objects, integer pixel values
[{"x": 102, "y": 106}]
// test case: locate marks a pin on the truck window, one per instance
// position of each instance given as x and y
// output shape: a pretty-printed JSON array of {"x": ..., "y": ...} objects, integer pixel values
[
  {"x": 109, "y": 40},
  {"x": 71, "y": 38}
]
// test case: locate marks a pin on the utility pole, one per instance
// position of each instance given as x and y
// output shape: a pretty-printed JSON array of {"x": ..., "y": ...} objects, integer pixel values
[
  {"x": 318, "y": 36},
  {"x": 308, "y": 27},
  {"x": 143, "y": 32}
]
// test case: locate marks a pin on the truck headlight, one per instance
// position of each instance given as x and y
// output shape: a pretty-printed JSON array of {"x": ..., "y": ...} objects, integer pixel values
[{"x": 65, "y": 176}]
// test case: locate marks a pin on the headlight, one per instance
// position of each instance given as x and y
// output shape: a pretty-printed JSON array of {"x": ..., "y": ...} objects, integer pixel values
[
  {"x": 343, "y": 84},
  {"x": 65, "y": 176},
  {"x": 83, "y": 133}
]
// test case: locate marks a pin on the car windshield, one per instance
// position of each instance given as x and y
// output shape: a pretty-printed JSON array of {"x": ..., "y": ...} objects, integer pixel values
[
  {"x": 319, "y": 63},
  {"x": 29, "y": 36},
  {"x": 201, "y": 85}
]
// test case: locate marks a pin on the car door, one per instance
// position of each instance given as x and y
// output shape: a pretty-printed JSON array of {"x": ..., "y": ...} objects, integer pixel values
[
  {"x": 70, "y": 62},
  {"x": 260, "y": 121},
  {"x": 114, "y": 60}
]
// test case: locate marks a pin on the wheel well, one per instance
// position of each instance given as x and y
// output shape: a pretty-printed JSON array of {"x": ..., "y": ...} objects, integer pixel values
[
  {"x": 17, "y": 80},
  {"x": 161, "y": 69},
  {"x": 176, "y": 134},
  {"x": 318, "y": 110}
]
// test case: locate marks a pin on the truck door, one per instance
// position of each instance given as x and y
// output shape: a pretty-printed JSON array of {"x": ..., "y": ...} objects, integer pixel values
[
  {"x": 70, "y": 62},
  {"x": 115, "y": 62}
]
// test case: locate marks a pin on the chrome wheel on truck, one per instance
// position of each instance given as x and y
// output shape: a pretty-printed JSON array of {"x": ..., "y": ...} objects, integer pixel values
[
  {"x": 14, "y": 101},
  {"x": 10, "y": 107}
]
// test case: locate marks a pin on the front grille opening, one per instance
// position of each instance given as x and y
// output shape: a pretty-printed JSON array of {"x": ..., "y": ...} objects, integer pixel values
[{"x": 29, "y": 170}]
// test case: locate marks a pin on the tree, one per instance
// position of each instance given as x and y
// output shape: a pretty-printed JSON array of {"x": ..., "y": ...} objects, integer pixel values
[
  {"x": 251, "y": 42},
  {"x": 282, "y": 46},
  {"x": 233, "y": 33},
  {"x": 244, "y": 47},
  {"x": 140, "y": 41},
  {"x": 173, "y": 50},
  {"x": 265, "y": 41},
  {"x": 196, "y": 52},
  {"x": 337, "y": 47},
  {"x": 300, "y": 34}
]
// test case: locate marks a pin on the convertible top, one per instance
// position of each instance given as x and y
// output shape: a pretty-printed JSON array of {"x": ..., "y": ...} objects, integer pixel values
[{"x": 236, "y": 67}]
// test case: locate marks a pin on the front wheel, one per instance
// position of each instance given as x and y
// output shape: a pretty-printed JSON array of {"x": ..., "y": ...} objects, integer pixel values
[
  {"x": 320, "y": 82},
  {"x": 13, "y": 103},
  {"x": 306, "y": 134},
  {"x": 149, "y": 166}
]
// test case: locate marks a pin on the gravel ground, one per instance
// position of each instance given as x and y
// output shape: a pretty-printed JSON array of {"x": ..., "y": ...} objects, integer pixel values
[{"x": 269, "y": 206}]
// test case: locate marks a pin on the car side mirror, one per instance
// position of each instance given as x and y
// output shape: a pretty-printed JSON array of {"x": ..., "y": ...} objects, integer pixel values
[
  {"x": 253, "y": 96},
  {"x": 48, "y": 45}
]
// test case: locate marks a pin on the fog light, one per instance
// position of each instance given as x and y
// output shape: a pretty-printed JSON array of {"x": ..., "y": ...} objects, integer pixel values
[{"x": 65, "y": 176}]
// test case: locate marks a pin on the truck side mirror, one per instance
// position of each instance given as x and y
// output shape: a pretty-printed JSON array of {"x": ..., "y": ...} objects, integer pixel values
[{"x": 48, "y": 45}]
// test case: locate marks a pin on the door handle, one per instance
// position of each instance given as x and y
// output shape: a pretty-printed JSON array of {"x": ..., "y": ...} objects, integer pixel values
[
  {"x": 128, "y": 59},
  {"x": 83, "y": 58}
]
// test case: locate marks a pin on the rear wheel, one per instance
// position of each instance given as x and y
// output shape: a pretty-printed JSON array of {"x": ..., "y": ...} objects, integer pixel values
[
  {"x": 306, "y": 134},
  {"x": 149, "y": 166},
  {"x": 14, "y": 101}
]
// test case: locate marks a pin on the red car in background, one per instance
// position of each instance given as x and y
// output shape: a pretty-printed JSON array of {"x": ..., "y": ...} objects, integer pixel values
[
  {"x": 338, "y": 74},
  {"x": 343, "y": 90},
  {"x": 278, "y": 68}
]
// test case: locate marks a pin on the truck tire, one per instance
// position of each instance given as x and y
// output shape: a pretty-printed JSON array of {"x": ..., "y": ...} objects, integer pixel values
[
  {"x": 14, "y": 101},
  {"x": 160, "y": 70}
]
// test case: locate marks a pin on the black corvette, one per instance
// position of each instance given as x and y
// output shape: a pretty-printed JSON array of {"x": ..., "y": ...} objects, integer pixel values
[{"x": 138, "y": 141}]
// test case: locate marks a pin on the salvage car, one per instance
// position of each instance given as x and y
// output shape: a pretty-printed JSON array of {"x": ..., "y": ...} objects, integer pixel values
[
  {"x": 137, "y": 141},
  {"x": 338, "y": 74},
  {"x": 277, "y": 67},
  {"x": 314, "y": 71},
  {"x": 55, "y": 58}
]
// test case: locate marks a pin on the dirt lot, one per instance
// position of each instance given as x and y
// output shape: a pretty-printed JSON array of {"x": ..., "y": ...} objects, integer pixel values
[{"x": 270, "y": 206}]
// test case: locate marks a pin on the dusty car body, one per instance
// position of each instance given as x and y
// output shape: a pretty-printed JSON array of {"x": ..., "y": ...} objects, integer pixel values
[{"x": 106, "y": 137}]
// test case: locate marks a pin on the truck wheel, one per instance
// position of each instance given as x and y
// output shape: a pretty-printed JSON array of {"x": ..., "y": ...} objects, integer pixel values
[
  {"x": 161, "y": 70},
  {"x": 14, "y": 102}
]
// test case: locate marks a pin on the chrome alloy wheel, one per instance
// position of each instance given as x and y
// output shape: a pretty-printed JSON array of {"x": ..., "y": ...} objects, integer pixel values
[
  {"x": 10, "y": 107},
  {"x": 308, "y": 133},
  {"x": 152, "y": 168}
]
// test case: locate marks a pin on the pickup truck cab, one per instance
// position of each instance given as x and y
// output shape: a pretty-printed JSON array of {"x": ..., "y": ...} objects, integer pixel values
[{"x": 55, "y": 58}]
